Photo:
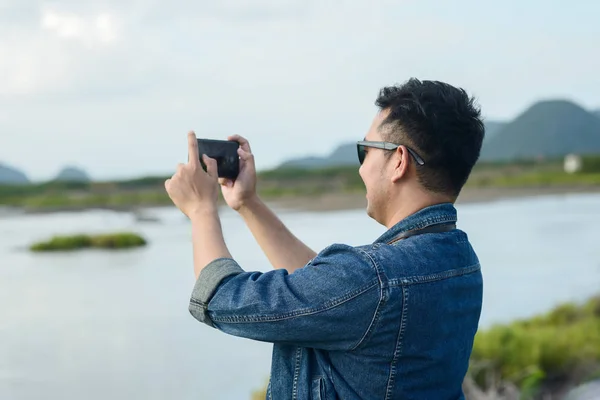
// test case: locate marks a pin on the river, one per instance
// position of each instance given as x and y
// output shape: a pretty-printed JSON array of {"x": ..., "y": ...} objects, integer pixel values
[{"x": 115, "y": 325}]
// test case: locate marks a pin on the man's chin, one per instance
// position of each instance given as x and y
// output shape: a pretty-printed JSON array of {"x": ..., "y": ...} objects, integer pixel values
[
  {"x": 371, "y": 213},
  {"x": 369, "y": 210}
]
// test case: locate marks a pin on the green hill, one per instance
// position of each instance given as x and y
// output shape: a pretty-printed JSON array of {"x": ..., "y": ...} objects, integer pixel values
[
  {"x": 12, "y": 176},
  {"x": 72, "y": 174},
  {"x": 492, "y": 128},
  {"x": 343, "y": 155},
  {"x": 547, "y": 129}
]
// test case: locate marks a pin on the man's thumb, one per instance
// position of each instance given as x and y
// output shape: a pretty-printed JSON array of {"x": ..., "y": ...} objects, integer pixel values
[{"x": 225, "y": 182}]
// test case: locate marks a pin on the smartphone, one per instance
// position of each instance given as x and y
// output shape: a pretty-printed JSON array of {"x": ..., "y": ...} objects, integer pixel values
[{"x": 225, "y": 153}]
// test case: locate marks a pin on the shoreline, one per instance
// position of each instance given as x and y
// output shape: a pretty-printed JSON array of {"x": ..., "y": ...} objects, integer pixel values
[
  {"x": 341, "y": 201},
  {"x": 354, "y": 201}
]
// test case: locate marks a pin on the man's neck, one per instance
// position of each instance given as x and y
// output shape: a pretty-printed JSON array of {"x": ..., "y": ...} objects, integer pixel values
[{"x": 406, "y": 207}]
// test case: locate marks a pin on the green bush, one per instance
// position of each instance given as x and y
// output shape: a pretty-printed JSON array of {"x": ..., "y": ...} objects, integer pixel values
[
  {"x": 555, "y": 346},
  {"x": 63, "y": 243},
  {"x": 590, "y": 164},
  {"x": 537, "y": 179},
  {"x": 76, "y": 242},
  {"x": 118, "y": 241}
]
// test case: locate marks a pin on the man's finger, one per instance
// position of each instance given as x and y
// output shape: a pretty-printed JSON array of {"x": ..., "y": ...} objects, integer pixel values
[
  {"x": 211, "y": 166},
  {"x": 244, "y": 144},
  {"x": 193, "y": 157},
  {"x": 167, "y": 183},
  {"x": 244, "y": 155}
]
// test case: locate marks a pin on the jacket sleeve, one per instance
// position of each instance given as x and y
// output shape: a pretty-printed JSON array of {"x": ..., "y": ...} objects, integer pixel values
[{"x": 330, "y": 303}]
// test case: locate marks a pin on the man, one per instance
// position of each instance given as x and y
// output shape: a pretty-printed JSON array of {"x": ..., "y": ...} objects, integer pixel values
[{"x": 394, "y": 319}]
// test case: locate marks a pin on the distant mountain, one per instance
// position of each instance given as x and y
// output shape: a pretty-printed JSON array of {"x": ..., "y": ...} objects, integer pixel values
[
  {"x": 72, "y": 174},
  {"x": 596, "y": 113},
  {"x": 491, "y": 128},
  {"x": 547, "y": 129},
  {"x": 12, "y": 176},
  {"x": 344, "y": 155}
]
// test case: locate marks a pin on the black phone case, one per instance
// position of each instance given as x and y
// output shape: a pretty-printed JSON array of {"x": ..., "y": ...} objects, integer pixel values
[{"x": 225, "y": 153}]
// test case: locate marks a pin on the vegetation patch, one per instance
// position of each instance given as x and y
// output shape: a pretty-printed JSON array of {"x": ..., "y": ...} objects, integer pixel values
[
  {"x": 545, "y": 354},
  {"x": 76, "y": 242}
]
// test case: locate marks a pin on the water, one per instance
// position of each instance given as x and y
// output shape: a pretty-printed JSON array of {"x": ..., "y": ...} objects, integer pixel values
[{"x": 98, "y": 325}]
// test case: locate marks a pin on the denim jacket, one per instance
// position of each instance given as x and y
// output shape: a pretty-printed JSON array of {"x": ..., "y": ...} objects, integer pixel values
[{"x": 387, "y": 320}]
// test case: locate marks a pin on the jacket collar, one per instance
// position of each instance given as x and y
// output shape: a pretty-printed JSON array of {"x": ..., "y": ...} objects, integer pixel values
[{"x": 431, "y": 215}]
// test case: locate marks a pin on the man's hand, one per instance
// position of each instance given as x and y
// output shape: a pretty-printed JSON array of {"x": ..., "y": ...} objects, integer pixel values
[
  {"x": 191, "y": 189},
  {"x": 239, "y": 192}
]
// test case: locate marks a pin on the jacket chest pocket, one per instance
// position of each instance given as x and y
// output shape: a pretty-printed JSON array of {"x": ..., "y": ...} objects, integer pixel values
[{"x": 318, "y": 389}]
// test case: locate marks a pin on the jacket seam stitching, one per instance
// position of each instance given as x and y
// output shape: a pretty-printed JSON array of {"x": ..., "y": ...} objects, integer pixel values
[
  {"x": 270, "y": 390},
  {"x": 398, "y": 349},
  {"x": 417, "y": 279},
  {"x": 431, "y": 221},
  {"x": 299, "y": 313},
  {"x": 379, "y": 303},
  {"x": 296, "y": 374}
]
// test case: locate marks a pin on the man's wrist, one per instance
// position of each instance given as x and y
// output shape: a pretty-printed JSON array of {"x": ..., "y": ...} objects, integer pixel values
[
  {"x": 204, "y": 211},
  {"x": 249, "y": 205}
]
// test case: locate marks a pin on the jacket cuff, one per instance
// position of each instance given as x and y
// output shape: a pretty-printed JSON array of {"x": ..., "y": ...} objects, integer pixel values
[{"x": 208, "y": 281}]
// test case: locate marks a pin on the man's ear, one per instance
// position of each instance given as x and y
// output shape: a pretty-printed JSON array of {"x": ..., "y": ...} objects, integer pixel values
[{"x": 401, "y": 159}]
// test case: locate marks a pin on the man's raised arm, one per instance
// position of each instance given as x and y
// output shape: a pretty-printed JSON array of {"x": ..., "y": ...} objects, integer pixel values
[{"x": 282, "y": 248}]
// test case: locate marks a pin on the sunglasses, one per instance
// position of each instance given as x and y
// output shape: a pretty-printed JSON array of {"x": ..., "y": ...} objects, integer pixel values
[{"x": 361, "y": 145}]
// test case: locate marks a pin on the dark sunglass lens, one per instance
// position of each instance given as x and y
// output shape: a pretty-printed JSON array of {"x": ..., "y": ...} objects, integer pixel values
[{"x": 361, "y": 153}]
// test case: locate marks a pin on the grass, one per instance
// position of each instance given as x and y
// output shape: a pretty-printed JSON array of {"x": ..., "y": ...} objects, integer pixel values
[
  {"x": 279, "y": 183},
  {"x": 536, "y": 179},
  {"x": 561, "y": 346},
  {"x": 77, "y": 242}
]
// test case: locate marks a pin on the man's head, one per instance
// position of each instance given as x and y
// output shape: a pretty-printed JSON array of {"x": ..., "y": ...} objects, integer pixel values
[{"x": 435, "y": 124}]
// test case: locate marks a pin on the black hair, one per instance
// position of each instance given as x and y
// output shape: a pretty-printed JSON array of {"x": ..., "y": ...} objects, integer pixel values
[{"x": 441, "y": 123}]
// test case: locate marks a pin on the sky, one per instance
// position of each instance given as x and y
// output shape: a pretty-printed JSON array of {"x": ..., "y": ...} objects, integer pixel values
[{"x": 113, "y": 86}]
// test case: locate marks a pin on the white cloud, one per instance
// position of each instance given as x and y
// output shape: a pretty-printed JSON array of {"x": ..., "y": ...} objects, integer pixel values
[
  {"x": 50, "y": 56},
  {"x": 92, "y": 30},
  {"x": 65, "y": 25},
  {"x": 93, "y": 73},
  {"x": 105, "y": 28},
  {"x": 29, "y": 65},
  {"x": 249, "y": 45}
]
